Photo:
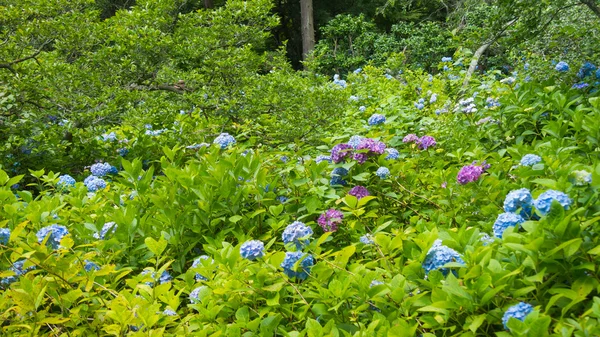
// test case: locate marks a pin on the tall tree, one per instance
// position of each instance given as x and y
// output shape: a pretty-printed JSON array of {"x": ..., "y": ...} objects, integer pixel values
[{"x": 308, "y": 27}]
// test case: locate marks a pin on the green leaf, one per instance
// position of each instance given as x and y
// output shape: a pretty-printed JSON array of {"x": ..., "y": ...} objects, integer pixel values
[{"x": 156, "y": 247}]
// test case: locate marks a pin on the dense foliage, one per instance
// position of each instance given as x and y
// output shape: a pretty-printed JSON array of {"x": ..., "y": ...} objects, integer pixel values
[{"x": 165, "y": 173}]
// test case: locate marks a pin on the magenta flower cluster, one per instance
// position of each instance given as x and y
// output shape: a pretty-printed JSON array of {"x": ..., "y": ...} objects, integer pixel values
[
  {"x": 330, "y": 220},
  {"x": 471, "y": 172},
  {"x": 366, "y": 147},
  {"x": 359, "y": 192},
  {"x": 424, "y": 142}
]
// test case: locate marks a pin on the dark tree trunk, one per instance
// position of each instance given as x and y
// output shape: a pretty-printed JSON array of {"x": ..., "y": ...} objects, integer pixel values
[
  {"x": 208, "y": 4},
  {"x": 308, "y": 27},
  {"x": 593, "y": 6}
]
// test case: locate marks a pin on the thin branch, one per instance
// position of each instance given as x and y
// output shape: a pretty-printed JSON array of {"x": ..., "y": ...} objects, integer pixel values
[{"x": 9, "y": 65}]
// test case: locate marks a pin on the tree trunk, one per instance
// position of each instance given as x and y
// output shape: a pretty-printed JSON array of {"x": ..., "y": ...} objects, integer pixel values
[
  {"x": 208, "y": 4},
  {"x": 308, "y": 27},
  {"x": 593, "y": 6}
]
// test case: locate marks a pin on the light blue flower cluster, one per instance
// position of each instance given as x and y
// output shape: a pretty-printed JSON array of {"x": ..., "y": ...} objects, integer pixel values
[
  {"x": 562, "y": 67},
  {"x": 197, "y": 146},
  {"x": 282, "y": 199},
  {"x": 336, "y": 176},
  {"x": 467, "y": 105},
  {"x": 154, "y": 132},
  {"x": 94, "y": 183},
  {"x": 165, "y": 277},
  {"x": 505, "y": 220},
  {"x": 353, "y": 98},
  {"x": 195, "y": 295},
  {"x": 383, "y": 172},
  {"x": 224, "y": 140},
  {"x": 102, "y": 169},
  {"x": 297, "y": 233},
  {"x": 89, "y": 266},
  {"x": 362, "y": 108},
  {"x": 366, "y": 239},
  {"x": 544, "y": 201},
  {"x": 491, "y": 102},
  {"x": 252, "y": 250},
  {"x": 17, "y": 268},
  {"x": 486, "y": 239},
  {"x": 438, "y": 256},
  {"x": 197, "y": 262},
  {"x": 376, "y": 119},
  {"x": 433, "y": 98},
  {"x": 65, "y": 181},
  {"x": 321, "y": 158},
  {"x": 580, "y": 178},
  {"x": 530, "y": 160},
  {"x": 302, "y": 270},
  {"x": 122, "y": 151},
  {"x": 284, "y": 159},
  {"x": 355, "y": 141},
  {"x": 338, "y": 81},
  {"x": 4, "y": 236},
  {"x": 111, "y": 137},
  {"x": 169, "y": 312},
  {"x": 446, "y": 59},
  {"x": 518, "y": 311},
  {"x": 420, "y": 104},
  {"x": 519, "y": 199},
  {"x": 392, "y": 154},
  {"x": 55, "y": 234},
  {"x": 109, "y": 226}
]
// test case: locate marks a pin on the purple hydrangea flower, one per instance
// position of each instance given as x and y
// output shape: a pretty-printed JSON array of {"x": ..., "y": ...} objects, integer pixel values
[
  {"x": 340, "y": 152},
  {"x": 252, "y": 250},
  {"x": 410, "y": 138},
  {"x": 426, "y": 142},
  {"x": 330, "y": 220},
  {"x": 359, "y": 192},
  {"x": 374, "y": 147},
  {"x": 471, "y": 173}
]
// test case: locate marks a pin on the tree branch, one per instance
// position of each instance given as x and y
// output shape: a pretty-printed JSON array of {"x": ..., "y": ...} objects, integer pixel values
[
  {"x": 9, "y": 65},
  {"x": 593, "y": 6}
]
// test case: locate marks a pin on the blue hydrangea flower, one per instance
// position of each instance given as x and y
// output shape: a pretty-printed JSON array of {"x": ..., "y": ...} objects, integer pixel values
[
  {"x": 165, "y": 277},
  {"x": 336, "y": 176},
  {"x": 197, "y": 262},
  {"x": 376, "y": 119},
  {"x": 224, "y": 140},
  {"x": 17, "y": 268},
  {"x": 282, "y": 199},
  {"x": 357, "y": 70},
  {"x": 284, "y": 159},
  {"x": 518, "y": 311},
  {"x": 353, "y": 98},
  {"x": 544, "y": 201},
  {"x": 297, "y": 233},
  {"x": 419, "y": 106},
  {"x": 101, "y": 169},
  {"x": 109, "y": 226},
  {"x": 94, "y": 183},
  {"x": 433, "y": 98},
  {"x": 321, "y": 158},
  {"x": 580, "y": 178},
  {"x": 55, "y": 234},
  {"x": 109, "y": 137},
  {"x": 383, "y": 172},
  {"x": 197, "y": 146},
  {"x": 598, "y": 74},
  {"x": 355, "y": 141},
  {"x": 303, "y": 269},
  {"x": 392, "y": 154},
  {"x": 362, "y": 108},
  {"x": 446, "y": 59},
  {"x": 89, "y": 265},
  {"x": 580, "y": 85},
  {"x": 446, "y": 68},
  {"x": 519, "y": 199},
  {"x": 154, "y": 132},
  {"x": 439, "y": 255},
  {"x": 4, "y": 236},
  {"x": 122, "y": 151},
  {"x": 194, "y": 295},
  {"x": 504, "y": 221},
  {"x": 169, "y": 312},
  {"x": 338, "y": 81},
  {"x": 530, "y": 160},
  {"x": 587, "y": 69},
  {"x": 486, "y": 239},
  {"x": 562, "y": 67},
  {"x": 65, "y": 181},
  {"x": 252, "y": 250},
  {"x": 366, "y": 239}
]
